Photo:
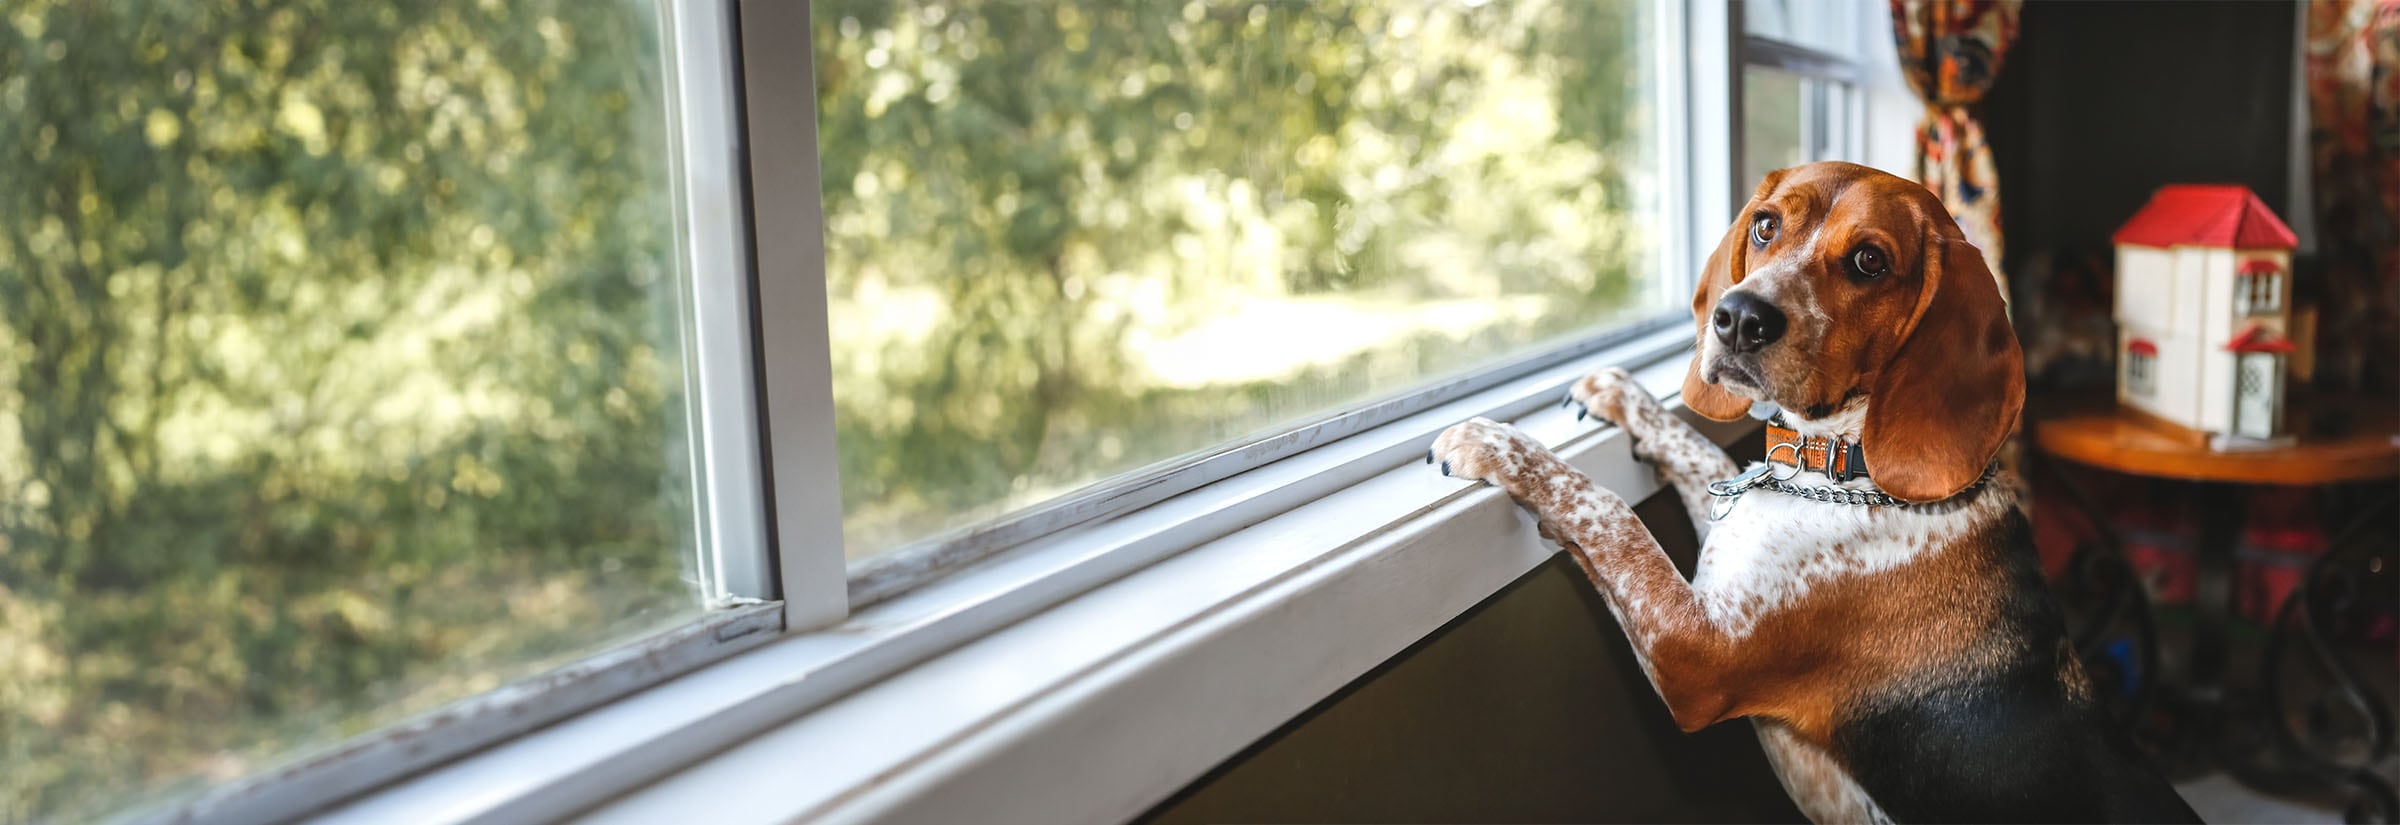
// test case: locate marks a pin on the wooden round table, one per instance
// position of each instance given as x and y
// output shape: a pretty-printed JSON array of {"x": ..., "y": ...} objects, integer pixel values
[
  {"x": 2338, "y": 442},
  {"x": 2126, "y": 443}
]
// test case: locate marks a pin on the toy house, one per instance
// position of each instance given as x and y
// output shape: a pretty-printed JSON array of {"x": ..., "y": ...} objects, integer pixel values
[{"x": 2203, "y": 313}]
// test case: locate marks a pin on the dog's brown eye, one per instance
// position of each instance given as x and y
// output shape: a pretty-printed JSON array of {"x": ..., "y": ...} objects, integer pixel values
[
  {"x": 1869, "y": 261},
  {"x": 1763, "y": 229}
]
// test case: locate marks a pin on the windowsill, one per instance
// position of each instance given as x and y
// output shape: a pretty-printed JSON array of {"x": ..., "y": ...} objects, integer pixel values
[{"x": 1085, "y": 676}]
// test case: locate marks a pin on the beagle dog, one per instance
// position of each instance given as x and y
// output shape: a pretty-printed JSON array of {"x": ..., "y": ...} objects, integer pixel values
[{"x": 1869, "y": 596}]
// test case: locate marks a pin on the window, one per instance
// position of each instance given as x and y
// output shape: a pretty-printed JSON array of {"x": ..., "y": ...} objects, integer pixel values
[
  {"x": 2258, "y": 289},
  {"x": 2141, "y": 367},
  {"x": 1800, "y": 96},
  {"x": 1790, "y": 119},
  {"x": 347, "y": 373},
  {"x": 372, "y": 365},
  {"x": 1829, "y": 28},
  {"x": 1069, "y": 240}
]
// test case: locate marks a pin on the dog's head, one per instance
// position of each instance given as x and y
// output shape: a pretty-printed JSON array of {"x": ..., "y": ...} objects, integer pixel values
[{"x": 1840, "y": 286}]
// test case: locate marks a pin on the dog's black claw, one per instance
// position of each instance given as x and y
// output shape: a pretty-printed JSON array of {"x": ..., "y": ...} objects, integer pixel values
[
  {"x": 1429, "y": 455},
  {"x": 1580, "y": 412},
  {"x": 1445, "y": 468}
]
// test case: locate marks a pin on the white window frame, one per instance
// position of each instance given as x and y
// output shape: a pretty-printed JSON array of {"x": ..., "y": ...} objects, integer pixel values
[
  {"x": 2141, "y": 373},
  {"x": 804, "y": 694},
  {"x": 2258, "y": 293},
  {"x": 1828, "y": 131}
]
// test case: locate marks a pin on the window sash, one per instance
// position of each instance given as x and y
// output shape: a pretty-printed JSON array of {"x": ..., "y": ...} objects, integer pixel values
[
  {"x": 735, "y": 561},
  {"x": 2257, "y": 293},
  {"x": 734, "y": 556},
  {"x": 1832, "y": 129},
  {"x": 799, "y": 419},
  {"x": 778, "y": 67}
]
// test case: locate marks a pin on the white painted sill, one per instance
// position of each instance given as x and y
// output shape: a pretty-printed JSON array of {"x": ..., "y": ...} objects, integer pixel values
[{"x": 1081, "y": 678}]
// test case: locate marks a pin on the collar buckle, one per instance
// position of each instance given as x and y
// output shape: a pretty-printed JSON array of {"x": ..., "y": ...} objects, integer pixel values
[{"x": 1838, "y": 459}]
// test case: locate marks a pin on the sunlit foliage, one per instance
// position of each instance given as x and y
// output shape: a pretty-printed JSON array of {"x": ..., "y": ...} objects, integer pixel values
[
  {"x": 1069, "y": 239},
  {"x": 337, "y": 372}
]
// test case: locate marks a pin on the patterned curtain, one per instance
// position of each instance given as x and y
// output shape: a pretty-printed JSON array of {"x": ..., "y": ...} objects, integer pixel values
[
  {"x": 2354, "y": 134},
  {"x": 1950, "y": 50}
]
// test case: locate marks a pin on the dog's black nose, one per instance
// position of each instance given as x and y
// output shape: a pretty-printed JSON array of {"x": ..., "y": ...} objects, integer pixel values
[{"x": 1746, "y": 322}]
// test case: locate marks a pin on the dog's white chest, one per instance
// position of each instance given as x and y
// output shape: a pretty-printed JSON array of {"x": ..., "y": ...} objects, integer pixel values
[{"x": 1772, "y": 549}]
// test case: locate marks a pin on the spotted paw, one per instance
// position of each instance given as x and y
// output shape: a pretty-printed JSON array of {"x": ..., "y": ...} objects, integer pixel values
[
  {"x": 1483, "y": 450},
  {"x": 1612, "y": 396}
]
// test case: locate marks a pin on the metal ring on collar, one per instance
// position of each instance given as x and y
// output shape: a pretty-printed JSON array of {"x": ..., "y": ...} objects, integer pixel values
[{"x": 1799, "y": 462}]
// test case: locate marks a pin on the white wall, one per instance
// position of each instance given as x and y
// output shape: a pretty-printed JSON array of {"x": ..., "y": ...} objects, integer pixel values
[
  {"x": 2155, "y": 301},
  {"x": 2181, "y": 356},
  {"x": 1889, "y": 122},
  {"x": 2145, "y": 286},
  {"x": 2216, "y": 327}
]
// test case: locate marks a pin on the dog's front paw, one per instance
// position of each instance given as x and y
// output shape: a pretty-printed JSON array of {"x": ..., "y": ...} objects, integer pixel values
[
  {"x": 1612, "y": 395},
  {"x": 1483, "y": 450}
]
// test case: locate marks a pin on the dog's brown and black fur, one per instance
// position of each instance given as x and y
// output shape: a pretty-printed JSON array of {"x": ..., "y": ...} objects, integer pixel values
[{"x": 1901, "y": 663}]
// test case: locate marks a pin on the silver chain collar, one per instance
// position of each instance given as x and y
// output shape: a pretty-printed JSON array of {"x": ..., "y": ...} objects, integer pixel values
[{"x": 1761, "y": 477}]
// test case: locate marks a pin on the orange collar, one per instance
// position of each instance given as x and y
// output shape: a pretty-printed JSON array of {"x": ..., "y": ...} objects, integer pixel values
[{"x": 1837, "y": 459}]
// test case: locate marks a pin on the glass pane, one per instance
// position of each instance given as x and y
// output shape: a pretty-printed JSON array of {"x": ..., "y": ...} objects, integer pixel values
[
  {"x": 1068, "y": 240},
  {"x": 339, "y": 375},
  {"x": 1788, "y": 120},
  {"x": 1816, "y": 24},
  {"x": 1773, "y": 136}
]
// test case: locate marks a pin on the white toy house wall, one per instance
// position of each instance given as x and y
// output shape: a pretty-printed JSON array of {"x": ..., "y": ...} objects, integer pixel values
[
  {"x": 2147, "y": 302},
  {"x": 2212, "y": 317}
]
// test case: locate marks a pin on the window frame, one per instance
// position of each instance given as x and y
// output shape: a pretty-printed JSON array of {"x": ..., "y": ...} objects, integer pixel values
[
  {"x": 846, "y": 723},
  {"x": 2141, "y": 373},
  {"x": 2258, "y": 293},
  {"x": 1831, "y": 135},
  {"x": 808, "y": 628}
]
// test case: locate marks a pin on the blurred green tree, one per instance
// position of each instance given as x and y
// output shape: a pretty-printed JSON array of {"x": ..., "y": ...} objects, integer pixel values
[
  {"x": 340, "y": 372},
  {"x": 1019, "y": 194}
]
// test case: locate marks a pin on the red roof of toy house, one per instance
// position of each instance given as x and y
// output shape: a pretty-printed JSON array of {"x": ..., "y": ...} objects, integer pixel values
[
  {"x": 2206, "y": 215},
  {"x": 2255, "y": 338},
  {"x": 2141, "y": 346},
  {"x": 2260, "y": 266}
]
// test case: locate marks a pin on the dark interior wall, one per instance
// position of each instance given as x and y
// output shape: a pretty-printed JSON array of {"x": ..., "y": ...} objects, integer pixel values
[
  {"x": 2100, "y": 103},
  {"x": 1528, "y": 708}
]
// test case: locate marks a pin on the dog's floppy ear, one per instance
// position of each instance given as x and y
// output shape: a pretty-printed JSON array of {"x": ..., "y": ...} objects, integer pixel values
[
  {"x": 1951, "y": 393},
  {"x": 1725, "y": 267}
]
